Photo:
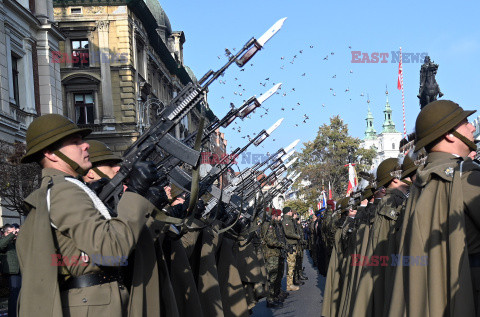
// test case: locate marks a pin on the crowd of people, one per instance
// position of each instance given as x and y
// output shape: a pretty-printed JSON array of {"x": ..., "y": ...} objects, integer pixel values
[
  {"x": 407, "y": 244},
  {"x": 149, "y": 256}
]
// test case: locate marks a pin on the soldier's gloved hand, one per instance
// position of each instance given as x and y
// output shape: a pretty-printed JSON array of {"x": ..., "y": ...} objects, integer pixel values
[
  {"x": 142, "y": 177},
  {"x": 200, "y": 208},
  {"x": 98, "y": 185},
  {"x": 157, "y": 196},
  {"x": 177, "y": 211}
]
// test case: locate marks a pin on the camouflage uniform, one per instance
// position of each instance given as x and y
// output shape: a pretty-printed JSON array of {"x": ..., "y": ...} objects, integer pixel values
[
  {"x": 299, "y": 253},
  {"x": 280, "y": 234},
  {"x": 272, "y": 251},
  {"x": 292, "y": 240}
]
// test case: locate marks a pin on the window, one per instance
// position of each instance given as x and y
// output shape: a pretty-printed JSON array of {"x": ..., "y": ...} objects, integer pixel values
[
  {"x": 15, "y": 80},
  {"x": 393, "y": 146},
  {"x": 84, "y": 108},
  {"x": 80, "y": 53},
  {"x": 76, "y": 10},
  {"x": 140, "y": 59}
]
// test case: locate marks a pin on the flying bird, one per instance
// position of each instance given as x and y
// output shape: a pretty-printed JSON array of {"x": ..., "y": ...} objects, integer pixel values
[
  {"x": 334, "y": 76},
  {"x": 325, "y": 58},
  {"x": 301, "y": 51},
  {"x": 303, "y": 74}
]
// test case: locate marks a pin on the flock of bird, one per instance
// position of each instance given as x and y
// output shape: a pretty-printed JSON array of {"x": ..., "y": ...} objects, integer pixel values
[{"x": 240, "y": 89}]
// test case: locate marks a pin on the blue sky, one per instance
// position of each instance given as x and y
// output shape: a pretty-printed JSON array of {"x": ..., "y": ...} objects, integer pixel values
[{"x": 445, "y": 31}]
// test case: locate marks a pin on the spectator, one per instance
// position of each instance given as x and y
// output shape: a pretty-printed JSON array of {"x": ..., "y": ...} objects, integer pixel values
[{"x": 10, "y": 265}]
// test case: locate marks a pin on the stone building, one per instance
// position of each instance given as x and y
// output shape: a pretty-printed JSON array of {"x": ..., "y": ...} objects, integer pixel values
[
  {"x": 121, "y": 64},
  {"x": 387, "y": 142},
  {"x": 29, "y": 83}
]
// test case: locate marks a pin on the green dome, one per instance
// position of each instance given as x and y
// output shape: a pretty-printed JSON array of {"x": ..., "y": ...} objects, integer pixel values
[
  {"x": 160, "y": 15},
  {"x": 190, "y": 73}
]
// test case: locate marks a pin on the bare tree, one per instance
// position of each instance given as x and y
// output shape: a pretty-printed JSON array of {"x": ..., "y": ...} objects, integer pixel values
[{"x": 17, "y": 180}]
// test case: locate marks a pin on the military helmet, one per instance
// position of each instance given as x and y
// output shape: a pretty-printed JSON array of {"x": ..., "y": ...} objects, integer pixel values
[
  {"x": 286, "y": 210},
  {"x": 408, "y": 166},
  {"x": 436, "y": 119},
  {"x": 46, "y": 130},
  {"x": 100, "y": 152},
  {"x": 367, "y": 192},
  {"x": 384, "y": 171}
]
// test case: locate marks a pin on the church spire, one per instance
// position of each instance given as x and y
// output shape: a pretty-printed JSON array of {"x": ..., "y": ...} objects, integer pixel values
[
  {"x": 370, "y": 132},
  {"x": 388, "y": 124}
]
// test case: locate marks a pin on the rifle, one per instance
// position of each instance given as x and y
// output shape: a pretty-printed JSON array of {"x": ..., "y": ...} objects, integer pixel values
[
  {"x": 206, "y": 184},
  {"x": 157, "y": 137},
  {"x": 246, "y": 176},
  {"x": 169, "y": 164}
]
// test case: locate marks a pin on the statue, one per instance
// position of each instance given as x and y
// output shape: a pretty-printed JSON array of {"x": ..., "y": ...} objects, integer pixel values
[{"x": 429, "y": 88}]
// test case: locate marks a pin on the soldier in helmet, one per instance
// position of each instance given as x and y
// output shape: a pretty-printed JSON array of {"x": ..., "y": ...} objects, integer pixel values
[
  {"x": 105, "y": 164},
  {"x": 370, "y": 298},
  {"x": 70, "y": 246},
  {"x": 441, "y": 230}
]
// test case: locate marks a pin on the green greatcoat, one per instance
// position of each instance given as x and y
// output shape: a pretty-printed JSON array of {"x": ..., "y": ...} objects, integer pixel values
[
  {"x": 80, "y": 228},
  {"x": 440, "y": 227},
  {"x": 233, "y": 294},
  {"x": 347, "y": 244},
  {"x": 382, "y": 246},
  {"x": 334, "y": 279},
  {"x": 361, "y": 298}
]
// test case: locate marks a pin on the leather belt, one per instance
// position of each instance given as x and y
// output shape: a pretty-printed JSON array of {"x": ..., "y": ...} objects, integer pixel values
[
  {"x": 91, "y": 279},
  {"x": 474, "y": 260}
]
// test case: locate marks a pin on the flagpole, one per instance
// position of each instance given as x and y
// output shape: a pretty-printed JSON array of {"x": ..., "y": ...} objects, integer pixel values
[{"x": 403, "y": 95}]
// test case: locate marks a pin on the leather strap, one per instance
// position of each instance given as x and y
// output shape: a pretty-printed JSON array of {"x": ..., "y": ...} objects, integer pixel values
[
  {"x": 92, "y": 279},
  {"x": 70, "y": 162},
  {"x": 471, "y": 145}
]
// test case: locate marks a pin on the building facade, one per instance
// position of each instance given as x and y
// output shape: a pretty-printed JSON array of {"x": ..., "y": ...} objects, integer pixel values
[
  {"x": 121, "y": 64},
  {"x": 29, "y": 84},
  {"x": 387, "y": 142}
]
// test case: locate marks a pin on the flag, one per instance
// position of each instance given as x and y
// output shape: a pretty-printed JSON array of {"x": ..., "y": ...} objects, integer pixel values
[
  {"x": 329, "y": 191},
  {"x": 324, "y": 201},
  {"x": 400, "y": 72},
  {"x": 352, "y": 179},
  {"x": 319, "y": 205}
]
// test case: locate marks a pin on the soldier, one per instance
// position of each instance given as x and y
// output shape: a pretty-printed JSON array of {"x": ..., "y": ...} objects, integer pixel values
[
  {"x": 272, "y": 251},
  {"x": 442, "y": 232},
  {"x": 298, "y": 276},
  {"x": 105, "y": 164},
  {"x": 370, "y": 299},
  {"x": 68, "y": 227},
  {"x": 280, "y": 234},
  {"x": 292, "y": 240}
]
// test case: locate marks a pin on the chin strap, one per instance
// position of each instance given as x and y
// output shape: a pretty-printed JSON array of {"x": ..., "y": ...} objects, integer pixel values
[
  {"x": 409, "y": 183},
  {"x": 70, "y": 162},
  {"x": 100, "y": 173},
  {"x": 471, "y": 145}
]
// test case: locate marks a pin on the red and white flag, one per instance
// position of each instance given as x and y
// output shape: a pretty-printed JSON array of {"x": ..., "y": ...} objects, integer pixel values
[
  {"x": 329, "y": 191},
  {"x": 352, "y": 178},
  {"x": 400, "y": 73}
]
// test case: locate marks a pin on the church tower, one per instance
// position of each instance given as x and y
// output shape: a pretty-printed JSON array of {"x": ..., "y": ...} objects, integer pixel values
[
  {"x": 388, "y": 125},
  {"x": 370, "y": 133}
]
